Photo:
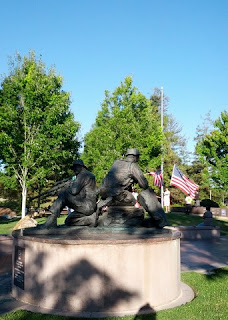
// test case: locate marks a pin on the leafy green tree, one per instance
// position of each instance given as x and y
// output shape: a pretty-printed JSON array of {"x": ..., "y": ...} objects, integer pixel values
[
  {"x": 198, "y": 173},
  {"x": 127, "y": 119},
  {"x": 37, "y": 130},
  {"x": 212, "y": 149},
  {"x": 198, "y": 170}
]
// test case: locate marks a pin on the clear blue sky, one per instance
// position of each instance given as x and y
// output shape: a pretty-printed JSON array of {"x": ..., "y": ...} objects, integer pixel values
[{"x": 181, "y": 45}]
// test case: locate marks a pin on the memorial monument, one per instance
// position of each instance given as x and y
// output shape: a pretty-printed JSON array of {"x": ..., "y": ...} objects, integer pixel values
[{"x": 108, "y": 260}]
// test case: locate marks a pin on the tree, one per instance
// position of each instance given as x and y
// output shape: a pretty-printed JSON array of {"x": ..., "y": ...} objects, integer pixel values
[
  {"x": 212, "y": 149},
  {"x": 205, "y": 127},
  {"x": 198, "y": 173},
  {"x": 197, "y": 170},
  {"x": 37, "y": 130},
  {"x": 126, "y": 119},
  {"x": 173, "y": 149}
]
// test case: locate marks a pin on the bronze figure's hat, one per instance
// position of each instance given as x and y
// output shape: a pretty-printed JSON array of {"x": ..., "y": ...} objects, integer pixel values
[
  {"x": 133, "y": 151},
  {"x": 78, "y": 163}
]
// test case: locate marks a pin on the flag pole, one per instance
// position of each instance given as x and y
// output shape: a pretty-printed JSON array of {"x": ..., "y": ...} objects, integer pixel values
[{"x": 162, "y": 191}]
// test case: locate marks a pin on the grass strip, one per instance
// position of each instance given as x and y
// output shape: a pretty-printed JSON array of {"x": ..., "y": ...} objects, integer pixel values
[{"x": 174, "y": 219}]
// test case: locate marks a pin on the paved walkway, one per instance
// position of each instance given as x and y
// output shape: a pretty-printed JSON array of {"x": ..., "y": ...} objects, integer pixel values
[
  {"x": 204, "y": 255},
  {"x": 199, "y": 256}
]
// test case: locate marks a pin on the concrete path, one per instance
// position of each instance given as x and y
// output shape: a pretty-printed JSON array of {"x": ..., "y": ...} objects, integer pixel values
[
  {"x": 204, "y": 255},
  {"x": 199, "y": 256}
]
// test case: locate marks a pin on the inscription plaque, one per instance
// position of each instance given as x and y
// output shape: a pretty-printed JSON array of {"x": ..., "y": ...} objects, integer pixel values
[{"x": 19, "y": 267}]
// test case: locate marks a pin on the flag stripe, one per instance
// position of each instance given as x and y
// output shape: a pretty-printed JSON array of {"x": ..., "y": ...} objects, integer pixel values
[
  {"x": 180, "y": 185},
  {"x": 158, "y": 179},
  {"x": 180, "y": 181}
]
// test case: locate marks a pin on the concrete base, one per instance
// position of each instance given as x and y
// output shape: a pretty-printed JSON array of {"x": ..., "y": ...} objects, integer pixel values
[
  {"x": 98, "y": 272},
  {"x": 198, "y": 233}
]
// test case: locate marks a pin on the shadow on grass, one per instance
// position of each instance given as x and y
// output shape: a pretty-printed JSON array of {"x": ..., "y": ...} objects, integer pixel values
[
  {"x": 150, "y": 313},
  {"x": 8, "y": 221},
  {"x": 215, "y": 274}
]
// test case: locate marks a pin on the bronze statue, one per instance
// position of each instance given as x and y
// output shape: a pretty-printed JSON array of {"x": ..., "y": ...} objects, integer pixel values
[
  {"x": 117, "y": 185},
  {"x": 116, "y": 188},
  {"x": 117, "y": 203},
  {"x": 81, "y": 196}
]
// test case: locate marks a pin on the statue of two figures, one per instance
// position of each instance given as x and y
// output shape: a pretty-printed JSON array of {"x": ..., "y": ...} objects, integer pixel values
[{"x": 113, "y": 204}]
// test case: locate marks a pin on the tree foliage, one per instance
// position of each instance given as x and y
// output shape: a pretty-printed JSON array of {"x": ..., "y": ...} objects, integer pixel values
[
  {"x": 213, "y": 151},
  {"x": 173, "y": 145},
  {"x": 37, "y": 130},
  {"x": 127, "y": 119},
  {"x": 198, "y": 173}
]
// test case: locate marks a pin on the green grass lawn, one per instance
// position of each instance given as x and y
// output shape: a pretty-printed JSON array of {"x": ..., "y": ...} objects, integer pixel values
[
  {"x": 174, "y": 219},
  {"x": 6, "y": 226},
  {"x": 181, "y": 219},
  {"x": 210, "y": 303}
]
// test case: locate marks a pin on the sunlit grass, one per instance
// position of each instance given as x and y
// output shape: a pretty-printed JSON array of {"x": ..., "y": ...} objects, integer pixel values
[
  {"x": 181, "y": 219},
  {"x": 174, "y": 219},
  {"x": 6, "y": 226}
]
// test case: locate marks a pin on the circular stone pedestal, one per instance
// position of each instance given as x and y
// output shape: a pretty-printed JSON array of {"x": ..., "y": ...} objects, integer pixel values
[{"x": 97, "y": 272}]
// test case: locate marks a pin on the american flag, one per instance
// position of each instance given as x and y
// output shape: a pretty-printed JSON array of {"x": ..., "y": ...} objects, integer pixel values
[
  {"x": 180, "y": 181},
  {"x": 158, "y": 179}
]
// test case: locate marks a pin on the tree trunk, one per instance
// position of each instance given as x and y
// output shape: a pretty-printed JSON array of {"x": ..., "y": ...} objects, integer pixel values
[{"x": 23, "y": 205}]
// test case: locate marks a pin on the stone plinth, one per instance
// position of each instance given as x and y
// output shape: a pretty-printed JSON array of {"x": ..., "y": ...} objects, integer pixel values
[{"x": 97, "y": 272}]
